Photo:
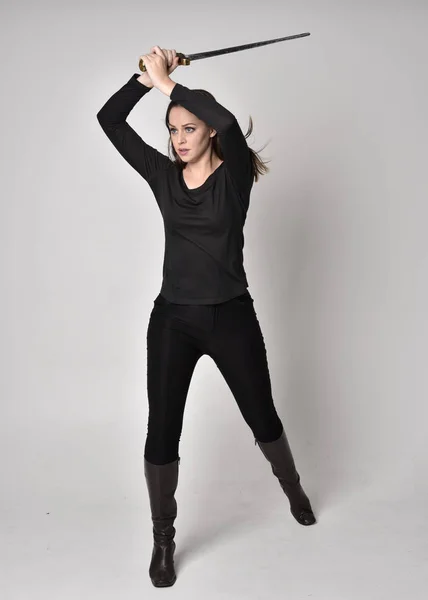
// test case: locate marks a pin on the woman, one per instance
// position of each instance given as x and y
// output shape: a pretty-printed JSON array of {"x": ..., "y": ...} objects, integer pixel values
[{"x": 204, "y": 306}]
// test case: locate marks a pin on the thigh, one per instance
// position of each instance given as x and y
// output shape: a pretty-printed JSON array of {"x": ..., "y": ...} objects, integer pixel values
[{"x": 240, "y": 354}]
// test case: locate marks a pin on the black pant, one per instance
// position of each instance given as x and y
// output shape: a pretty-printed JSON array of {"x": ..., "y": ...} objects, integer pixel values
[{"x": 177, "y": 336}]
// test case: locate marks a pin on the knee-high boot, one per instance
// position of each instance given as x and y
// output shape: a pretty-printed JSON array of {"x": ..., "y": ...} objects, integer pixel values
[
  {"x": 278, "y": 453},
  {"x": 162, "y": 483}
]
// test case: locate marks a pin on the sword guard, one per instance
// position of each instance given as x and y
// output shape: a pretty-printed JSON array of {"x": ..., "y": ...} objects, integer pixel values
[{"x": 183, "y": 62}]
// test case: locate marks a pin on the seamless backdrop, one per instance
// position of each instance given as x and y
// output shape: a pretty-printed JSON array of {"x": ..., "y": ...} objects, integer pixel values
[{"x": 336, "y": 255}]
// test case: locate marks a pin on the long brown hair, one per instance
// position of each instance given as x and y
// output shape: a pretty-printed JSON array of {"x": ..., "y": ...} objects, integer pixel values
[{"x": 259, "y": 165}]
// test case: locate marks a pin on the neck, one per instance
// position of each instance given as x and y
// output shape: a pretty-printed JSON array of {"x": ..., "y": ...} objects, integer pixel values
[{"x": 203, "y": 167}]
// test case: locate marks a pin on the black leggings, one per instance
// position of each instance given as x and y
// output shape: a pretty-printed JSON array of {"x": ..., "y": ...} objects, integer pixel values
[{"x": 177, "y": 336}]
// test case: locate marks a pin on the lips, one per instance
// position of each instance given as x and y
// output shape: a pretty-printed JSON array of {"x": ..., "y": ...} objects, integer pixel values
[{"x": 183, "y": 150}]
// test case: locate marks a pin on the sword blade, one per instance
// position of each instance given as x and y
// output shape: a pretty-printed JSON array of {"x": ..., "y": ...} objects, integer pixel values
[{"x": 211, "y": 53}]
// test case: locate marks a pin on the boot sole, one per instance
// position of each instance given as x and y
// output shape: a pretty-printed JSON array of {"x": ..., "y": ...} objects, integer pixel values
[{"x": 166, "y": 584}]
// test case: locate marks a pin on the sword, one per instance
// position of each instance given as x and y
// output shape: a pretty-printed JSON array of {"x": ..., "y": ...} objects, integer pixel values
[{"x": 185, "y": 59}]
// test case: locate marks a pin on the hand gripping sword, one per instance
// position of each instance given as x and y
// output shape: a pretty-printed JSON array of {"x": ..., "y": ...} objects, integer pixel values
[{"x": 185, "y": 59}]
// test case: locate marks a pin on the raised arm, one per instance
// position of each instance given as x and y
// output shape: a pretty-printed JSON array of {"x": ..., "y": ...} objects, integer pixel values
[
  {"x": 145, "y": 159},
  {"x": 237, "y": 156}
]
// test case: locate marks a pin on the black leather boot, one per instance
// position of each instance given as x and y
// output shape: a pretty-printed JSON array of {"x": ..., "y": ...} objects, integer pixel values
[
  {"x": 162, "y": 483},
  {"x": 278, "y": 453}
]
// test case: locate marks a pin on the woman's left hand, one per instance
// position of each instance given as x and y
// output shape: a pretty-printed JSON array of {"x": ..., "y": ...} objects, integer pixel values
[{"x": 156, "y": 65}]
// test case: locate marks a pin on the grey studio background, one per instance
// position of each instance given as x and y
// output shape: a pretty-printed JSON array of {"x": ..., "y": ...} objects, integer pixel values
[{"x": 336, "y": 256}]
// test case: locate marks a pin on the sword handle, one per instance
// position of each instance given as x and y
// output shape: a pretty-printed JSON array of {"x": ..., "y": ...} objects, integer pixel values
[{"x": 183, "y": 62}]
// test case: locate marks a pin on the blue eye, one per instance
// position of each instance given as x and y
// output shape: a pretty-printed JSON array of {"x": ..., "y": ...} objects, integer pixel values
[{"x": 173, "y": 129}]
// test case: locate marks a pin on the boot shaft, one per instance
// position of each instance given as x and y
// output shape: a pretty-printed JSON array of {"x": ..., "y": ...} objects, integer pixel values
[
  {"x": 162, "y": 481},
  {"x": 279, "y": 454}
]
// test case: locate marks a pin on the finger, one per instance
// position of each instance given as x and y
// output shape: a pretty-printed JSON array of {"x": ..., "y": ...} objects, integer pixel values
[{"x": 167, "y": 56}]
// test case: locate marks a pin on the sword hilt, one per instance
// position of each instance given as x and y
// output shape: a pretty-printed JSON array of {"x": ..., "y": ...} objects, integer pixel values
[{"x": 183, "y": 62}]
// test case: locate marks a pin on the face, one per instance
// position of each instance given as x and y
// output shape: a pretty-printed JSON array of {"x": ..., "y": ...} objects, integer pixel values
[{"x": 189, "y": 132}]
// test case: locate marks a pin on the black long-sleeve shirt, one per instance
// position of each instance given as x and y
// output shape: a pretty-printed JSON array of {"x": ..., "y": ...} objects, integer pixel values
[{"x": 204, "y": 240}]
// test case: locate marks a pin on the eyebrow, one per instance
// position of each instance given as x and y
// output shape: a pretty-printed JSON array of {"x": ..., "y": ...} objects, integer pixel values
[{"x": 185, "y": 125}]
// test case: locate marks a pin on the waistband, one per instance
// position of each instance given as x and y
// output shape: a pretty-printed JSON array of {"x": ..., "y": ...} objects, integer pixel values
[{"x": 161, "y": 300}]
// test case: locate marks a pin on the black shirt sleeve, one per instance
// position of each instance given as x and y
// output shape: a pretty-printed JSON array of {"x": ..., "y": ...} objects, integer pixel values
[
  {"x": 145, "y": 159},
  {"x": 236, "y": 153}
]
